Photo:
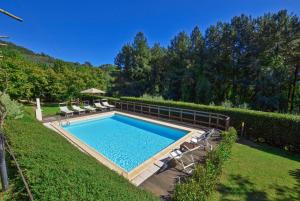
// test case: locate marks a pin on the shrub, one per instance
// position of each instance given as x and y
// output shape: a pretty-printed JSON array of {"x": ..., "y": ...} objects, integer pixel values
[
  {"x": 9, "y": 108},
  {"x": 152, "y": 97},
  {"x": 281, "y": 130},
  {"x": 202, "y": 183}
]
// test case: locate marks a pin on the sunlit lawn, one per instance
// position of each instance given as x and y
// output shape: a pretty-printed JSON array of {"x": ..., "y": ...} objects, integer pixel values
[
  {"x": 50, "y": 110},
  {"x": 260, "y": 173}
]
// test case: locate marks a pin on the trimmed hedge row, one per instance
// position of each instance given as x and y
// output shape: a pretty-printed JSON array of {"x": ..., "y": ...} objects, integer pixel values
[
  {"x": 280, "y": 130},
  {"x": 205, "y": 178}
]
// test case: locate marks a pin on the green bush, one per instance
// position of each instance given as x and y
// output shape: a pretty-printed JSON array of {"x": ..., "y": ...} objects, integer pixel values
[
  {"x": 281, "y": 130},
  {"x": 203, "y": 181}
]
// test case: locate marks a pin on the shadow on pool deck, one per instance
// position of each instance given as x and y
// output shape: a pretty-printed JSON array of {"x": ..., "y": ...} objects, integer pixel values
[{"x": 162, "y": 183}]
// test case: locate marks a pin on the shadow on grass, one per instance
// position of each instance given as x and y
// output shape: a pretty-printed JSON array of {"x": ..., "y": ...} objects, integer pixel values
[
  {"x": 241, "y": 189},
  {"x": 283, "y": 193},
  {"x": 270, "y": 149}
]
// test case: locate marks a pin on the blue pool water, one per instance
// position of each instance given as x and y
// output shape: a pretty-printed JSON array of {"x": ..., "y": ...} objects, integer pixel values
[{"x": 126, "y": 141}]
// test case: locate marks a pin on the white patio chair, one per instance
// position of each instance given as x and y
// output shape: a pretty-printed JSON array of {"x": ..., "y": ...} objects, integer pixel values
[
  {"x": 203, "y": 140},
  {"x": 187, "y": 165}
]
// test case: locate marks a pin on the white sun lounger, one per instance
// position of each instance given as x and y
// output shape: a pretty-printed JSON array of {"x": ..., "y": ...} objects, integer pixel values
[
  {"x": 78, "y": 109},
  {"x": 89, "y": 108},
  {"x": 99, "y": 106},
  {"x": 65, "y": 110},
  {"x": 106, "y": 104}
]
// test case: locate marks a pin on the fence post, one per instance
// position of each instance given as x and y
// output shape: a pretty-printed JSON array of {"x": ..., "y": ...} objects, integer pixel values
[
  {"x": 4, "y": 177},
  {"x": 194, "y": 118},
  {"x": 227, "y": 123},
  {"x": 217, "y": 120},
  {"x": 158, "y": 111},
  {"x": 243, "y": 129}
]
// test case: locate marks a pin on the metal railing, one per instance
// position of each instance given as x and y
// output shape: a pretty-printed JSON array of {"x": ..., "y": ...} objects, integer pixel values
[{"x": 187, "y": 116}]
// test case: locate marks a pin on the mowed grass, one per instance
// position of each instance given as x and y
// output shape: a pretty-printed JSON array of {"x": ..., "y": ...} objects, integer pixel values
[
  {"x": 50, "y": 110},
  {"x": 57, "y": 170},
  {"x": 258, "y": 172}
]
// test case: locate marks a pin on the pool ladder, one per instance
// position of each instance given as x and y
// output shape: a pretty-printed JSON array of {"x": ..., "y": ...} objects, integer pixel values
[{"x": 63, "y": 123}]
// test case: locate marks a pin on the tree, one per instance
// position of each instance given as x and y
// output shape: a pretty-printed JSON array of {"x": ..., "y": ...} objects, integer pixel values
[
  {"x": 178, "y": 63},
  {"x": 134, "y": 61},
  {"x": 200, "y": 86},
  {"x": 158, "y": 65}
]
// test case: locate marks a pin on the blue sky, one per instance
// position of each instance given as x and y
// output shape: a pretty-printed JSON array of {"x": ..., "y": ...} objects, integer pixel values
[{"x": 94, "y": 30}]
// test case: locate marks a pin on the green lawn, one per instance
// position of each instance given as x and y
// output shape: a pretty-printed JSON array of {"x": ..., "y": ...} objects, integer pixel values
[
  {"x": 260, "y": 173},
  {"x": 50, "y": 110},
  {"x": 56, "y": 170}
]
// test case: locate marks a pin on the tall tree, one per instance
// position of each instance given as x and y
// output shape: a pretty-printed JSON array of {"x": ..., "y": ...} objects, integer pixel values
[
  {"x": 158, "y": 65},
  {"x": 134, "y": 60},
  {"x": 178, "y": 62}
]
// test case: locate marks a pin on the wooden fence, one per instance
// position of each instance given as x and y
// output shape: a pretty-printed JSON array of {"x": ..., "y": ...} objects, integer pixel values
[{"x": 187, "y": 116}]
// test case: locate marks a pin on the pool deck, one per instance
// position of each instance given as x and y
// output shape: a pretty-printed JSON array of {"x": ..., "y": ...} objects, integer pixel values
[{"x": 162, "y": 184}]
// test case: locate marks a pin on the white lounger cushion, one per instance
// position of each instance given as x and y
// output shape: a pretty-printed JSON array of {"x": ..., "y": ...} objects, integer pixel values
[
  {"x": 176, "y": 154},
  {"x": 77, "y": 108},
  {"x": 88, "y": 107},
  {"x": 65, "y": 109},
  {"x": 105, "y": 103},
  {"x": 100, "y": 106}
]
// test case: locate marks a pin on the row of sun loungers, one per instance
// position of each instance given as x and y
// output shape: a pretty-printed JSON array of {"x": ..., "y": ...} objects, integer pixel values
[
  {"x": 103, "y": 105},
  {"x": 184, "y": 154}
]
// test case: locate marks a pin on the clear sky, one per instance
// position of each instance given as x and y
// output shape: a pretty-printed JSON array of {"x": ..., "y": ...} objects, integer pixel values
[{"x": 95, "y": 30}]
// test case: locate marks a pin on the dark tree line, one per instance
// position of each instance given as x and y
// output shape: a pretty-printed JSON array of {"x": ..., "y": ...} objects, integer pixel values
[{"x": 248, "y": 60}]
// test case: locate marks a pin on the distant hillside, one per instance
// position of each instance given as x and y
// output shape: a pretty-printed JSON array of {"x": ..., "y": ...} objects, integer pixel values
[
  {"x": 12, "y": 49},
  {"x": 27, "y": 75}
]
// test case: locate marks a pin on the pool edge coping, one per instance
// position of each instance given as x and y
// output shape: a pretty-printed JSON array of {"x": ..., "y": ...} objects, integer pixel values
[{"x": 137, "y": 171}]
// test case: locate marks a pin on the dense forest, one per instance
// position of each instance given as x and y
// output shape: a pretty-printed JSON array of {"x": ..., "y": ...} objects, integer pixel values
[{"x": 247, "y": 62}]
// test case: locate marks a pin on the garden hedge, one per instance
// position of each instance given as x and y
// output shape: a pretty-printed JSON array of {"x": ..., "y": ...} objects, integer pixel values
[
  {"x": 276, "y": 129},
  {"x": 202, "y": 183}
]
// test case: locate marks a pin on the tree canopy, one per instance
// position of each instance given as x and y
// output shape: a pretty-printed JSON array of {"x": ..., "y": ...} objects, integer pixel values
[
  {"x": 27, "y": 75},
  {"x": 246, "y": 61},
  {"x": 253, "y": 61}
]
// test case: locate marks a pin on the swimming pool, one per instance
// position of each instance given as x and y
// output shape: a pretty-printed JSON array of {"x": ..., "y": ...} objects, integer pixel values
[{"x": 124, "y": 140}]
